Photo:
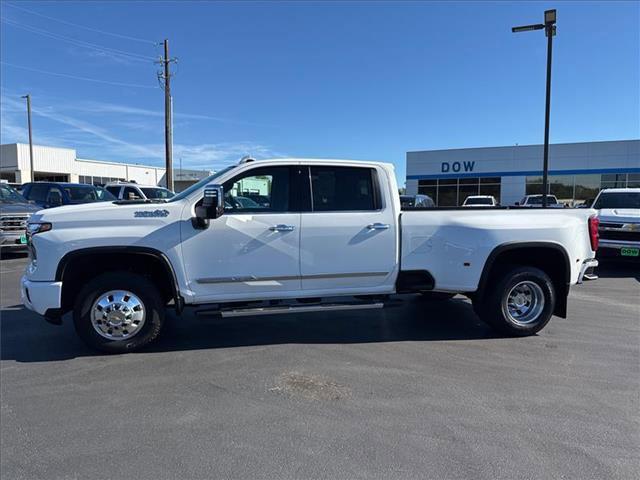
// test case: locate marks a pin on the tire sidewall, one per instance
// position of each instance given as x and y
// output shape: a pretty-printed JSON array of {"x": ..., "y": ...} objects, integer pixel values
[
  {"x": 137, "y": 284},
  {"x": 494, "y": 311}
]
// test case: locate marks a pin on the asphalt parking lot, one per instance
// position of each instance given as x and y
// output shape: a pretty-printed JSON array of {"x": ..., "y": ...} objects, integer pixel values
[{"x": 419, "y": 391}]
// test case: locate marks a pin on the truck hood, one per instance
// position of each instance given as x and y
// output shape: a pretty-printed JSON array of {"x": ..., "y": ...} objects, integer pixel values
[
  {"x": 619, "y": 215},
  {"x": 7, "y": 208},
  {"x": 108, "y": 211}
]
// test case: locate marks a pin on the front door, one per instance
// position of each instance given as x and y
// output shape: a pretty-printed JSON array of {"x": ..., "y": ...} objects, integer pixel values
[{"x": 253, "y": 250}]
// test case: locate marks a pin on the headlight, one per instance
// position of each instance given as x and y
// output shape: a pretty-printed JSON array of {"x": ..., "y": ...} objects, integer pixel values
[{"x": 39, "y": 227}]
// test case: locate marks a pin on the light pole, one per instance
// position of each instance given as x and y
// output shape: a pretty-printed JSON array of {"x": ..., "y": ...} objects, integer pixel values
[
  {"x": 549, "y": 27},
  {"x": 33, "y": 175}
]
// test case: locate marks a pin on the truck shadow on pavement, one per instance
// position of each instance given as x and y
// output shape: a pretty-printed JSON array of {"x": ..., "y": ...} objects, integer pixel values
[
  {"x": 26, "y": 337},
  {"x": 618, "y": 268}
]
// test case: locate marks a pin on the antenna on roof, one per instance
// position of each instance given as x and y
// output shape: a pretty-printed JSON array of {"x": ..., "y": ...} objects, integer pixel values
[{"x": 246, "y": 159}]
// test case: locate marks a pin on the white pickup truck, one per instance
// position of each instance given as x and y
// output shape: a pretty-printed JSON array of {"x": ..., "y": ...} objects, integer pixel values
[{"x": 326, "y": 229}]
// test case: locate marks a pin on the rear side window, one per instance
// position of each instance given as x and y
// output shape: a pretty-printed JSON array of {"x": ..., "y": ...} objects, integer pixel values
[{"x": 343, "y": 189}]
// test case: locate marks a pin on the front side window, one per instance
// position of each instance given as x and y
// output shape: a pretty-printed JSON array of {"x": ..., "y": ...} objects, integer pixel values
[
  {"x": 131, "y": 193},
  {"x": 156, "y": 193},
  {"x": 264, "y": 189},
  {"x": 343, "y": 189},
  {"x": 81, "y": 194}
]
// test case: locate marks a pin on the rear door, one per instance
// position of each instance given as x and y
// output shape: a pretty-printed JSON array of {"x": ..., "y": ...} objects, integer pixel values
[{"x": 348, "y": 239}]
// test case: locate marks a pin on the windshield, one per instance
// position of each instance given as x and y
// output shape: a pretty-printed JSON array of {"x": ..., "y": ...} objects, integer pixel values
[
  {"x": 200, "y": 184},
  {"x": 10, "y": 195},
  {"x": 157, "y": 193},
  {"x": 618, "y": 200},
  {"x": 478, "y": 201}
]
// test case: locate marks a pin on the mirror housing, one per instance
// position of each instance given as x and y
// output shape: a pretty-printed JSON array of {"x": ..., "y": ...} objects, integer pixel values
[{"x": 212, "y": 205}]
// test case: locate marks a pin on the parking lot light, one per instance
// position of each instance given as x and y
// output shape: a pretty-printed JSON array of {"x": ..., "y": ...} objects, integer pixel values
[{"x": 549, "y": 27}]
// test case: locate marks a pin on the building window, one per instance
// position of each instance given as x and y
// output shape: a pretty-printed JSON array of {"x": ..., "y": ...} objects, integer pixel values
[
  {"x": 452, "y": 192},
  {"x": 614, "y": 180},
  {"x": 633, "y": 180}
]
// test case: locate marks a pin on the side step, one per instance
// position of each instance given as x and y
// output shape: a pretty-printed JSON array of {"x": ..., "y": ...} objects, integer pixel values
[{"x": 284, "y": 309}]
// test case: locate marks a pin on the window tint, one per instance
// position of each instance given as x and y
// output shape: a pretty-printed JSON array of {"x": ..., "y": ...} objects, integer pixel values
[
  {"x": 38, "y": 192},
  {"x": 54, "y": 195},
  {"x": 114, "y": 190},
  {"x": 155, "y": 193},
  {"x": 130, "y": 193},
  {"x": 263, "y": 189},
  {"x": 342, "y": 189},
  {"x": 81, "y": 194}
]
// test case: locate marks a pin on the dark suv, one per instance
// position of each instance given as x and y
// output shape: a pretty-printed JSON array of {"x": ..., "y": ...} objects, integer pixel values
[{"x": 54, "y": 194}]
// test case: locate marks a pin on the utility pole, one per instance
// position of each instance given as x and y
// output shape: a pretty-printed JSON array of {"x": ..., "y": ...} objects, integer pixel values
[
  {"x": 168, "y": 113},
  {"x": 33, "y": 176},
  {"x": 549, "y": 27}
]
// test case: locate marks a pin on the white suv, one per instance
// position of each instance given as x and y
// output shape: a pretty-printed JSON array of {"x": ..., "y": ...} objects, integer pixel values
[{"x": 133, "y": 191}]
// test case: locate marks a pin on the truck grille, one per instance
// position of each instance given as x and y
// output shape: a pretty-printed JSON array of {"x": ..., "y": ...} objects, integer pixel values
[
  {"x": 13, "y": 223},
  {"x": 620, "y": 235}
]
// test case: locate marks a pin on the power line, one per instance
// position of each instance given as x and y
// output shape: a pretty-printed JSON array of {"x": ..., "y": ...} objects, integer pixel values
[
  {"x": 119, "y": 84},
  {"x": 66, "y": 22},
  {"x": 80, "y": 43}
]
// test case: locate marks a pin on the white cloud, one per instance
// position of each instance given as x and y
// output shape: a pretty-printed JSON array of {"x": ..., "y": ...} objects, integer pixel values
[{"x": 93, "y": 141}]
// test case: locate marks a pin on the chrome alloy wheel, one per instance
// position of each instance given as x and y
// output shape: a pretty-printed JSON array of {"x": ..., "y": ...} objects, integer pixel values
[
  {"x": 117, "y": 315},
  {"x": 524, "y": 303}
]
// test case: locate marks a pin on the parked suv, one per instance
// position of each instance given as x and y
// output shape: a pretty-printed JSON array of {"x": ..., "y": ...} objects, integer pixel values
[
  {"x": 15, "y": 211},
  {"x": 53, "y": 194},
  {"x": 133, "y": 191},
  {"x": 619, "y": 215}
]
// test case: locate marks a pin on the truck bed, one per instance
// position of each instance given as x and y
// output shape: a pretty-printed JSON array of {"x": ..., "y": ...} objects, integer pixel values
[{"x": 454, "y": 244}]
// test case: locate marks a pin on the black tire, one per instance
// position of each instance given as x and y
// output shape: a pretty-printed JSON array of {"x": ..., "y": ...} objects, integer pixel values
[
  {"x": 492, "y": 309},
  {"x": 140, "y": 286},
  {"x": 437, "y": 296}
]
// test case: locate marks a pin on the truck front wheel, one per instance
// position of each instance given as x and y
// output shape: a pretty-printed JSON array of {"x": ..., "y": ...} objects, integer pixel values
[
  {"x": 118, "y": 312},
  {"x": 520, "y": 303}
]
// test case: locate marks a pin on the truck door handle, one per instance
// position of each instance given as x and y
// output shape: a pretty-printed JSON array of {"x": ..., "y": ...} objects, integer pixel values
[
  {"x": 378, "y": 226},
  {"x": 282, "y": 228}
]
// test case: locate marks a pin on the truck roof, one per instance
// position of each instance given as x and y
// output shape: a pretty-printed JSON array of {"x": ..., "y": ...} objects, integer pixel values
[
  {"x": 320, "y": 160},
  {"x": 620, "y": 190}
]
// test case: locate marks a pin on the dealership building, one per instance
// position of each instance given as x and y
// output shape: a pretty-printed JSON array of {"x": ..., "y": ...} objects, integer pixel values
[
  {"x": 63, "y": 165},
  {"x": 577, "y": 171}
]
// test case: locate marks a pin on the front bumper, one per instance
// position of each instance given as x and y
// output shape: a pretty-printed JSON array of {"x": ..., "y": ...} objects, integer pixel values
[
  {"x": 12, "y": 240},
  {"x": 41, "y": 296}
]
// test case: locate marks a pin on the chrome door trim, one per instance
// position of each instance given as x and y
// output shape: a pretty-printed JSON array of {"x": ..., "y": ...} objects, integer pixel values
[{"x": 253, "y": 278}]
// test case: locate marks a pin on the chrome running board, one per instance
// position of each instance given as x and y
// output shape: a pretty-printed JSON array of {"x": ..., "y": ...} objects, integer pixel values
[{"x": 285, "y": 309}]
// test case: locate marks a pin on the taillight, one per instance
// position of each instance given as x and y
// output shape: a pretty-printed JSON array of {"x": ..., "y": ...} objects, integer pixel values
[{"x": 594, "y": 237}]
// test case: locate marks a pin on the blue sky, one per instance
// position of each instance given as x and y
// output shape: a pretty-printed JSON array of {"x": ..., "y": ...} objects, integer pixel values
[{"x": 363, "y": 80}]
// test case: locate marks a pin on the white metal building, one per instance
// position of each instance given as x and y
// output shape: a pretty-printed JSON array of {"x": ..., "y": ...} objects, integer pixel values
[
  {"x": 577, "y": 171},
  {"x": 63, "y": 165}
]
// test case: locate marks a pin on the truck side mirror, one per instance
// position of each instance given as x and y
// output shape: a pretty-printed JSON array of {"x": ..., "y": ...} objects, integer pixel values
[
  {"x": 517, "y": 204},
  {"x": 212, "y": 205}
]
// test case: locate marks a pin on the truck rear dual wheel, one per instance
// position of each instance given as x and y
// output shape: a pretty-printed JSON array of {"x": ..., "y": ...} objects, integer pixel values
[
  {"x": 118, "y": 312},
  {"x": 520, "y": 303}
]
